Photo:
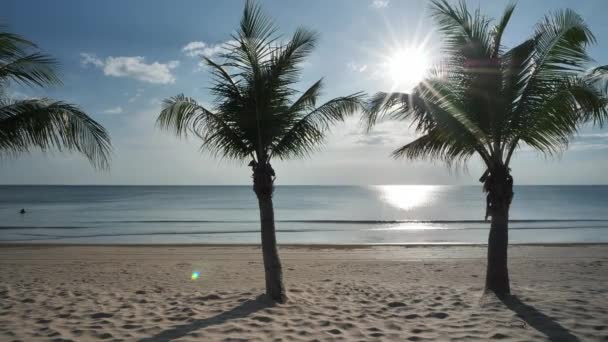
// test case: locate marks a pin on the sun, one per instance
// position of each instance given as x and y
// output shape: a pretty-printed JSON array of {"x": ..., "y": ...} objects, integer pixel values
[{"x": 407, "y": 67}]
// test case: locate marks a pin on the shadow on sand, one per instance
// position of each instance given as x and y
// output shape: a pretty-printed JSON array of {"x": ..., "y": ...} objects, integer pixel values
[
  {"x": 243, "y": 310},
  {"x": 538, "y": 320}
]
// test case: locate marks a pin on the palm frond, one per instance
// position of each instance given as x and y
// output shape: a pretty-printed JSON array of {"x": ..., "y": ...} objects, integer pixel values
[
  {"x": 286, "y": 59},
  {"x": 258, "y": 111},
  {"x": 549, "y": 126},
  {"x": 224, "y": 83},
  {"x": 13, "y": 44},
  {"x": 308, "y": 99},
  {"x": 488, "y": 101},
  {"x": 598, "y": 77},
  {"x": 256, "y": 26},
  {"x": 183, "y": 115},
  {"x": 560, "y": 43},
  {"x": 499, "y": 29},
  {"x": 462, "y": 30},
  {"x": 433, "y": 105},
  {"x": 308, "y": 132},
  {"x": 20, "y": 64},
  {"x": 388, "y": 106},
  {"x": 436, "y": 146},
  {"x": 46, "y": 124},
  {"x": 33, "y": 69}
]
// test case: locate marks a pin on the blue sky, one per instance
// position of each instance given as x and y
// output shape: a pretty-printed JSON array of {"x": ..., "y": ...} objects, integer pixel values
[{"x": 119, "y": 59}]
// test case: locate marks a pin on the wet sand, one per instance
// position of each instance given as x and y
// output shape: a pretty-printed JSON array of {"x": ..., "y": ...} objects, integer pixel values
[{"x": 352, "y": 293}]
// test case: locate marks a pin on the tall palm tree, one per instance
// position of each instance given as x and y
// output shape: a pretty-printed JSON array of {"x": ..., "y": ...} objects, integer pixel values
[
  {"x": 42, "y": 123},
  {"x": 258, "y": 115},
  {"x": 486, "y": 100}
]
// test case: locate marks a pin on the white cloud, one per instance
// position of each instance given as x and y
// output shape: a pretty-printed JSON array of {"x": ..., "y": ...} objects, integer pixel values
[
  {"x": 357, "y": 67},
  {"x": 115, "y": 110},
  {"x": 196, "y": 49},
  {"x": 137, "y": 68},
  {"x": 89, "y": 58},
  {"x": 379, "y": 3},
  {"x": 193, "y": 46},
  {"x": 134, "y": 67}
]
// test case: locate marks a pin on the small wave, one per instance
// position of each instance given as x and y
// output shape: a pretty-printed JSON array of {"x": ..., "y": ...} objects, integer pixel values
[
  {"x": 355, "y": 221},
  {"x": 436, "y": 221},
  {"x": 43, "y": 227},
  {"x": 313, "y": 230},
  {"x": 374, "y": 226},
  {"x": 257, "y": 231}
]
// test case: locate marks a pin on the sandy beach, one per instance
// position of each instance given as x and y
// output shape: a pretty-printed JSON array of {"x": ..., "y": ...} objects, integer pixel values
[{"x": 380, "y": 293}]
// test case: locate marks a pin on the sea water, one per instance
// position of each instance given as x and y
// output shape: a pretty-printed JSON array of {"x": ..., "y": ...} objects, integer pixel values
[{"x": 394, "y": 214}]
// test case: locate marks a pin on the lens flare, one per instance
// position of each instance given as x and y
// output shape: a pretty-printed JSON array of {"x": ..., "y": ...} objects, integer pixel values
[{"x": 195, "y": 275}]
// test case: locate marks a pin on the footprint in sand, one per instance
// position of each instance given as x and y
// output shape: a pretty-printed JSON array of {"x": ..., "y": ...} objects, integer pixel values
[
  {"x": 210, "y": 297},
  {"x": 263, "y": 319},
  {"x": 499, "y": 336},
  {"x": 335, "y": 331},
  {"x": 104, "y": 336},
  {"x": 440, "y": 315},
  {"x": 131, "y": 326},
  {"x": 101, "y": 315},
  {"x": 396, "y": 304}
]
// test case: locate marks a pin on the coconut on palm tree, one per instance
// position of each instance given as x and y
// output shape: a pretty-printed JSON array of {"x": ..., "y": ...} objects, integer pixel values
[
  {"x": 42, "y": 123},
  {"x": 258, "y": 116},
  {"x": 487, "y": 100}
]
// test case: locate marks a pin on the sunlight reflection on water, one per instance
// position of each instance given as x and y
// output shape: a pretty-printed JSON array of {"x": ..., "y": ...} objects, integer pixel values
[
  {"x": 407, "y": 197},
  {"x": 412, "y": 226}
]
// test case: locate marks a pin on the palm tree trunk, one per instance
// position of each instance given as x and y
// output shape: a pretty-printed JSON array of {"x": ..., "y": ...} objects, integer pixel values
[
  {"x": 500, "y": 188},
  {"x": 263, "y": 179}
]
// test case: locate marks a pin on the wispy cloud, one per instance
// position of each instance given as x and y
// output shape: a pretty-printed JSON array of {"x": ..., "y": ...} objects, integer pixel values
[
  {"x": 357, "y": 67},
  {"x": 590, "y": 141},
  {"x": 386, "y": 134},
  {"x": 197, "y": 49},
  {"x": 115, "y": 110},
  {"x": 594, "y": 135},
  {"x": 137, "y": 95},
  {"x": 376, "y": 137},
  {"x": 200, "y": 49},
  {"x": 89, "y": 58},
  {"x": 133, "y": 67},
  {"x": 379, "y": 3}
]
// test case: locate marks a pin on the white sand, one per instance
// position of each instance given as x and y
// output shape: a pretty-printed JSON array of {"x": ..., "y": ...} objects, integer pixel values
[{"x": 355, "y": 294}]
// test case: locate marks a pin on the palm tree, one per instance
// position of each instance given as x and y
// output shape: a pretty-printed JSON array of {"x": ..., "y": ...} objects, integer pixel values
[
  {"x": 486, "y": 100},
  {"x": 258, "y": 115},
  {"x": 42, "y": 123}
]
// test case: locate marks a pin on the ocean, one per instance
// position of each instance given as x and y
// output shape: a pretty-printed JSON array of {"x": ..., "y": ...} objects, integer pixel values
[{"x": 391, "y": 214}]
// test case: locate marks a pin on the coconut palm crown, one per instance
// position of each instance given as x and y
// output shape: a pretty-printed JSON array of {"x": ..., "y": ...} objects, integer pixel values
[
  {"x": 487, "y": 100},
  {"x": 258, "y": 114},
  {"x": 43, "y": 123}
]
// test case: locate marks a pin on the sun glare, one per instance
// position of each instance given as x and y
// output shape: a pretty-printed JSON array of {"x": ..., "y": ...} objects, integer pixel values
[
  {"x": 406, "y": 67},
  {"x": 406, "y": 197}
]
